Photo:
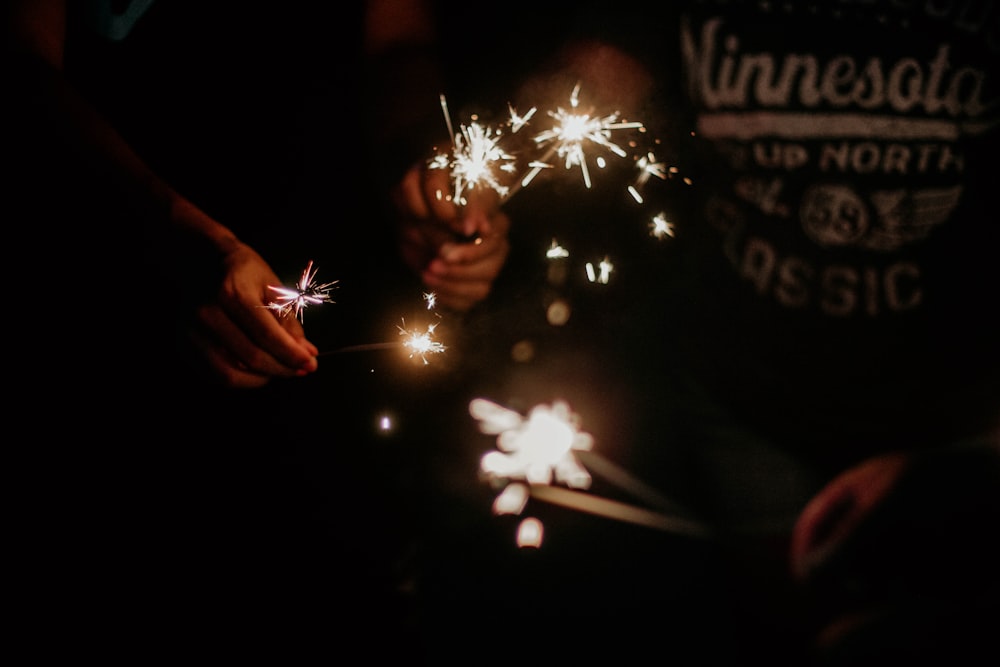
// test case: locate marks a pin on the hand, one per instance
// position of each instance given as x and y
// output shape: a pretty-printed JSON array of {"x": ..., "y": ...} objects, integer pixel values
[
  {"x": 898, "y": 557},
  {"x": 458, "y": 252},
  {"x": 245, "y": 343}
]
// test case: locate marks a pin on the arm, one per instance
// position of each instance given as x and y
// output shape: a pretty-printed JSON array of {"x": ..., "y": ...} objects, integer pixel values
[
  {"x": 242, "y": 343},
  {"x": 899, "y": 554},
  {"x": 433, "y": 233}
]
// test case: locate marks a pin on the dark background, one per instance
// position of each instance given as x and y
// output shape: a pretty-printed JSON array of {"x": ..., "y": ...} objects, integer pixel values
[{"x": 283, "y": 521}]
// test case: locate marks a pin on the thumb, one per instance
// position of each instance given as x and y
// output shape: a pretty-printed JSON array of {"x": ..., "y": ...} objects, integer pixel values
[{"x": 834, "y": 515}]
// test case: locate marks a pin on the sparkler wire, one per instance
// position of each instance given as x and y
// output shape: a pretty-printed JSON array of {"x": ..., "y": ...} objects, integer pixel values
[
  {"x": 365, "y": 347},
  {"x": 599, "y": 465},
  {"x": 613, "y": 509}
]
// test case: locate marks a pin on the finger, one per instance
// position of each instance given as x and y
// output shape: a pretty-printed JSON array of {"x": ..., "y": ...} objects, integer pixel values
[
  {"x": 480, "y": 260},
  {"x": 409, "y": 194},
  {"x": 419, "y": 242},
  {"x": 481, "y": 210},
  {"x": 833, "y": 515},
  {"x": 277, "y": 333},
  {"x": 309, "y": 345},
  {"x": 466, "y": 276},
  {"x": 224, "y": 367},
  {"x": 457, "y": 292},
  {"x": 437, "y": 192},
  {"x": 244, "y": 344},
  {"x": 294, "y": 328}
]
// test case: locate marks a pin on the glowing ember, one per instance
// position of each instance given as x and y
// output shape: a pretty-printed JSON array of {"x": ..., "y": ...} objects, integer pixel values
[
  {"x": 512, "y": 499},
  {"x": 529, "y": 533},
  {"x": 648, "y": 166},
  {"x": 660, "y": 227},
  {"x": 306, "y": 293}
]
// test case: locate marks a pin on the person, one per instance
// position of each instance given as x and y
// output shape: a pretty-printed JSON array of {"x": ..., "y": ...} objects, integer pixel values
[
  {"x": 239, "y": 343},
  {"x": 181, "y": 153},
  {"x": 811, "y": 365},
  {"x": 456, "y": 249},
  {"x": 843, "y": 347}
]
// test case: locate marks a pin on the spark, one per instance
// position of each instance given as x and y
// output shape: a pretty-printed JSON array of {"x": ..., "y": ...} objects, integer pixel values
[
  {"x": 306, "y": 293},
  {"x": 512, "y": 500},
  {"x": 556, "y": 251},
  {"x": 431, "y": 299},
  {"x": 660, "y": 227},
  {"x": 476, "y": 158},
  {"x": 603, "y": 275},
  {"x": 573, "y": 131},
  {"x": 535, "y": 166},
  {"x": 529, "y": 533},
  {"x": 648, "y": 166},
  {"x": 517, "y": 121},
  {"x": 421, "y": 343}
]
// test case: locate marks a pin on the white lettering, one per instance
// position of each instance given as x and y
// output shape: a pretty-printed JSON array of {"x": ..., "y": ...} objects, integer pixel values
[
  {"x": 733, "y": 79},
  {"x": 837, "y": 290},
  {"x": 792, "y": 288},
  {"x": 869, "y": 157},
  {"x": 902, "y": 96}
]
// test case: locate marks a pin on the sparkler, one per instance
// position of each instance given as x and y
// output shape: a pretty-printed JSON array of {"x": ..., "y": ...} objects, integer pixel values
[
  {"x": 572, "y": 132},
  {"x": 613, "y": 509},
  {"x": 421, "y": 343},
  {"x": 548, "y": 446},
  {"x": 476, "y": 159},
  {"x": 306, "y": 293},
  {"x": 537, "y": 449}
]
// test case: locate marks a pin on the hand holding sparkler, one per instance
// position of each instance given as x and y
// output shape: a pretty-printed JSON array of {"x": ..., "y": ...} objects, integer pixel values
[
  {"x": 245, "y": 345},
  {"x": 458, "y": 251}
]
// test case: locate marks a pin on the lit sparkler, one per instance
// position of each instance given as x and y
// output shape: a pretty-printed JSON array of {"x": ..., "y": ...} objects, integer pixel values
[
  {"x": 418, "y": 343},
  {"x": 548, "y": 446},
  {"x": 421, "y": 343},
  {"x": 538, "y": 448},
  {"x": 572, "y": 132},
  {"x": 306, "y": 293},
  {"x": 476, "y": 158}
]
